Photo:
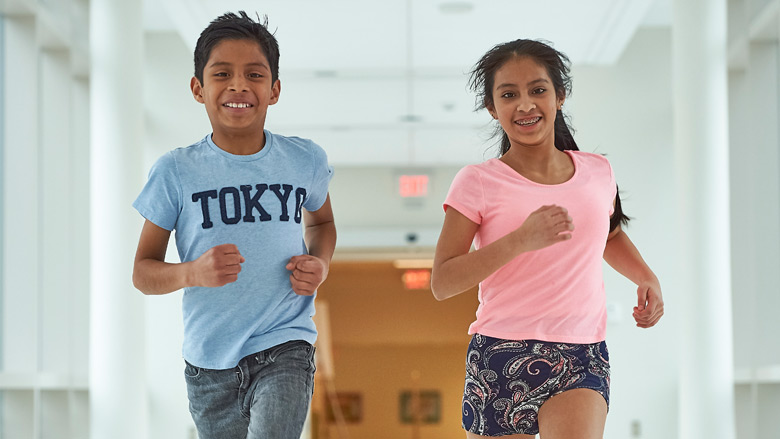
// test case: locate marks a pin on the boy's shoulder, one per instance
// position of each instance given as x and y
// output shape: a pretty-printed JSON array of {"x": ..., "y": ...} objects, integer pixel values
[
  {"x": 182, "y": 158},
  {"x": 198, "y": 147},
  {"x": 294, "y": 145},
  {"x": 302, "y": 143},
  {"x": 182, "y": 154}
]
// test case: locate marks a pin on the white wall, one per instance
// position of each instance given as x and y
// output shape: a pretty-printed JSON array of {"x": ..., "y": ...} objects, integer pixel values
[
  {"x": 755, "y": 215},
  {"x": 754, "y": 101},
  {"x": 173, "y": 118},
  {"x": 625, "y": 112},
  {"x": 45, "y": 236}
]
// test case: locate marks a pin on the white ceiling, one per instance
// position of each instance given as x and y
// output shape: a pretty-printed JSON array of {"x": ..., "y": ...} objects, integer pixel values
[
  {"x": 354, "y": 71},
  {"x": 397, "y": 34}
]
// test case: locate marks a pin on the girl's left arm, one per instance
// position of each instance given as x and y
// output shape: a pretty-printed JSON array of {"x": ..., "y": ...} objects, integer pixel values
[{"x": 621, "y": 254}]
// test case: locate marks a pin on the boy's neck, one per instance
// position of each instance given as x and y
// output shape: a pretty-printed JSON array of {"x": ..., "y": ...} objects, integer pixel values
[{"x": 240, "y": 144}]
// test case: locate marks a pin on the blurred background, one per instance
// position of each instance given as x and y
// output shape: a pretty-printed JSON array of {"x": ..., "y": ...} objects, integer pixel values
[{"x": 682, "y": 97}]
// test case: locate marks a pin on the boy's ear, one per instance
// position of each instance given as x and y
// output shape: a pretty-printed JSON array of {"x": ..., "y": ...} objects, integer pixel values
[
  {"x": 197, "y": 89},
  {"x": 276, "y": 90}
]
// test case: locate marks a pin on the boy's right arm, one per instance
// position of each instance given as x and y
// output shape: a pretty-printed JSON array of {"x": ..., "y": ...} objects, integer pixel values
[{"x": 152, "y": 275}]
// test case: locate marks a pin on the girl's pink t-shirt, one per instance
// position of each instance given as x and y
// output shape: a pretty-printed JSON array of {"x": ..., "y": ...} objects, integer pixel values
[{"x": 556, "y": 293}]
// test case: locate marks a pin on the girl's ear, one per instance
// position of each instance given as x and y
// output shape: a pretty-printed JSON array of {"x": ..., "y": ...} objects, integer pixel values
[
  {"x": 197, "y": 89},
  {"x": 492, "y": 110},
  {"x": 490, "y": 107}
]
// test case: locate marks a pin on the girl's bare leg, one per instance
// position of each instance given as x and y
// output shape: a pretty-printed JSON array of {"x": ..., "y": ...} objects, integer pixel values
[{"x": 574, "y": 414}]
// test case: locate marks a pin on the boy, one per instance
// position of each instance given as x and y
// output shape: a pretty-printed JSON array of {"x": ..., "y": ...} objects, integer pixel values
[{"x": 249, "y": 271}]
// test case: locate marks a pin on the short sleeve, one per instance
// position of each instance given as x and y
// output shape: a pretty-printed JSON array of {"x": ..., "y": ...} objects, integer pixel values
[
  {"x": 322, "y": 173},
  {"x": 160, "y": 201},
  {"x": 612, "y": 188},
  {"x": 466, "y": 195}
]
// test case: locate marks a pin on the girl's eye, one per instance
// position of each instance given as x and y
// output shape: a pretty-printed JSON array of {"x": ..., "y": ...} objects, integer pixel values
[
  {"x": 508, "y": 95},
  {"x": 539, "y": 90}
]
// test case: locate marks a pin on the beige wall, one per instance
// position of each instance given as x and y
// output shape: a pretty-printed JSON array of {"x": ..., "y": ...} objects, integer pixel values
[{"x": 382, "y": 335}]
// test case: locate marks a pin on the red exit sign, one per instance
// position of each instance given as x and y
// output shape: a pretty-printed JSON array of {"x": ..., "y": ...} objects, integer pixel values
[
  {"x": 413, "y": 186},
  {"x": 417, "y": 279}
]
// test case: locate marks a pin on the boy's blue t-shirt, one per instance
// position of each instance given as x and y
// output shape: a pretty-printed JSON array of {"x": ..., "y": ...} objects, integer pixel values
[{"x": 211, "y": 197}]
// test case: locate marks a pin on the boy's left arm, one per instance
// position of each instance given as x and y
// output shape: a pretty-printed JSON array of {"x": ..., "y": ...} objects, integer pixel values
[
  {"x": 621, "y": 254},
  {"x": 310, "y": 271}
]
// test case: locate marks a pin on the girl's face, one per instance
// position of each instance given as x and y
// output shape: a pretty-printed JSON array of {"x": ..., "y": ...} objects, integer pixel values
[{"x": 525, "y": 103}]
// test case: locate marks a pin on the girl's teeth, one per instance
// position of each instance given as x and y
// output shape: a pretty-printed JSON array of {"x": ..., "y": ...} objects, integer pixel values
[{"x": 529, "y": 121}]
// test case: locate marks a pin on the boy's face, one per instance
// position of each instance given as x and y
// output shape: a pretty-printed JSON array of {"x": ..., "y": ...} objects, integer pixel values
[{"x": 237, "y": 88}]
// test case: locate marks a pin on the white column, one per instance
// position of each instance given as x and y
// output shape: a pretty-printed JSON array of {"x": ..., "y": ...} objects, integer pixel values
[
  {"x": 762, "y": 147},
  {"x": 701, "y": 145},
  {"x": 21, "y": 209},
  {"x": 118, "y": 402}
]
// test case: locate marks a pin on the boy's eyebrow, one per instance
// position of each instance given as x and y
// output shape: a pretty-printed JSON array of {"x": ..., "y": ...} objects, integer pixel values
[
  {"x": 535, "y": 81},
  {"x": 227, "y": 64}
]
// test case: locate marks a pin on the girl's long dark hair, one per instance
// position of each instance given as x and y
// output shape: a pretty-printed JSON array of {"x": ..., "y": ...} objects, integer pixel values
[{"x": 557, "y": 65}]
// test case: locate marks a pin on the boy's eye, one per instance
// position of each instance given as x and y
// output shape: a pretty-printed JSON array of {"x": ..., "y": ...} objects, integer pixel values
[
  {"x": 255, "y": 75},
  {"x": 220, "y": 74}
]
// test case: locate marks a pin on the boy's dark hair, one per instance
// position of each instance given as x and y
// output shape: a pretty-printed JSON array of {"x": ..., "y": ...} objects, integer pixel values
[
  {"x": 558, "y": 68},
  {"x": 230, "y": 26}
]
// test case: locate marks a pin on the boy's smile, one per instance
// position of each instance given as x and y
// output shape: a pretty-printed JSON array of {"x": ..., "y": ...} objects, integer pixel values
[{"x": 237, "y": 90}]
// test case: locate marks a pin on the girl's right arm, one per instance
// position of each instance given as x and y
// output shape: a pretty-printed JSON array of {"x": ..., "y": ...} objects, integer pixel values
[
  {"x": 455, "y": 269},
  {"x": 152, "y": 275}
]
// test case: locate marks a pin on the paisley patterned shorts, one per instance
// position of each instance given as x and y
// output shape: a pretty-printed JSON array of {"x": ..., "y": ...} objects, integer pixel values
[{"x": 507, "y": 381}]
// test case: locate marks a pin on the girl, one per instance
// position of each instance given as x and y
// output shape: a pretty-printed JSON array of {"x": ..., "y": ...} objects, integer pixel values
[{"x": 537, "y": 361}]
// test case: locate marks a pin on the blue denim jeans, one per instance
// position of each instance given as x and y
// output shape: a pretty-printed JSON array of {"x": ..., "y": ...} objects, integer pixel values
[{"x": 266, "y": 396}]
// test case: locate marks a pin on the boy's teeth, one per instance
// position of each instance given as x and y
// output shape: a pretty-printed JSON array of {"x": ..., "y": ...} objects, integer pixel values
[{"x": 234, "y": 105}]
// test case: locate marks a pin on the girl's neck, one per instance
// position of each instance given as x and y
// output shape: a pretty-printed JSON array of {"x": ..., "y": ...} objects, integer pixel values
[{"x": 546, "y": 165}]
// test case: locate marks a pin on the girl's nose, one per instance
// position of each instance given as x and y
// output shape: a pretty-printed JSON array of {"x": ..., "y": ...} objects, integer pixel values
[{"x": 525, "y": 105}]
